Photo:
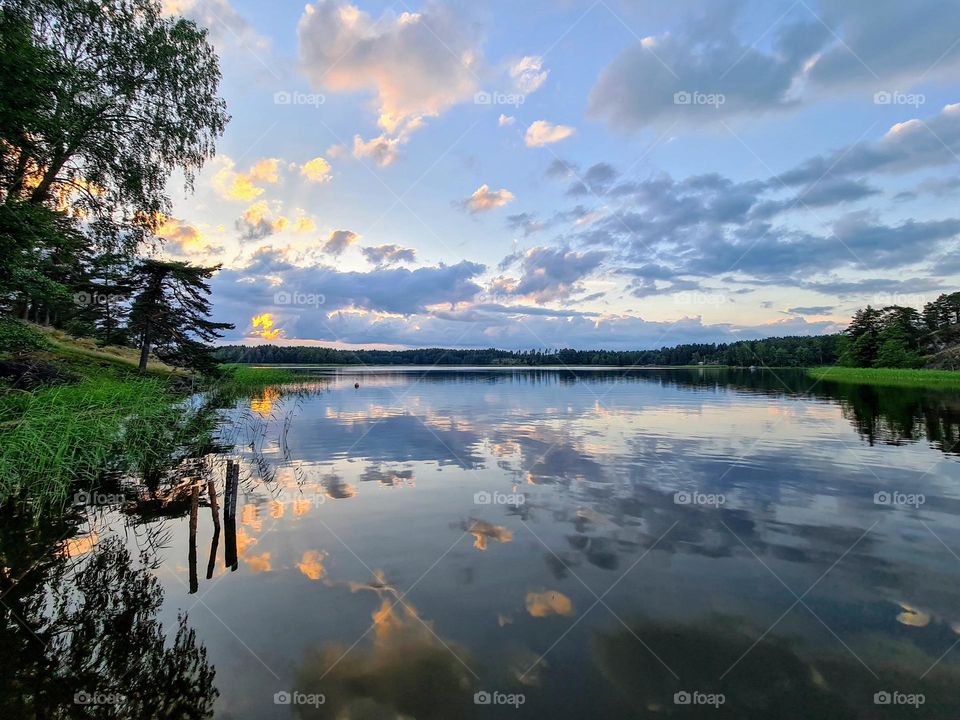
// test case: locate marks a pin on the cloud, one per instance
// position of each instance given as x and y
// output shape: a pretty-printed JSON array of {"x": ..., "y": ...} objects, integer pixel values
[
  {"x": 547, "y": 274},
  {"x": 385, "y": 290},
  {"x": 262, "y": 326},
  {"x": 560, "y": 169},
  {"x": 181, "y": 238},
  {"x": 229, "y": 31},
  {"x": 811, "y": 310},
  {"x": 338, "y": 241},
  {"x": 526, "y": 223},
  {"x": 239, "y": 186},
  {"x": 892, "y": 40},
  {"x": 703, "y": 72},
  {"x": 505, "y": 120},
  {"x": 266, "y": 171},
  {"x": 484, "y": 199},
  {"x": 516, "y": 328},
  {"x": 316, "y": 170},
  {"x": 595, "y": 181},
  {"x": 542, "y": 132},
  {"x": 907, "y": 146},
  {"x": 386, "y": 255},
  {"x": 416, "y": 64},
  {"x": 303, "y": 223},
  {"x": 384, "y": 150},
  {"x": 528, "y": 74},
  {"x": 259, "y": 222}
]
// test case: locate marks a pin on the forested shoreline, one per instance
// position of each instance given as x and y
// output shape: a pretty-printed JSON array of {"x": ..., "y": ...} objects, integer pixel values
[
  {"x": 890, "y": 337},
  {"x": 781, "y": 352}
]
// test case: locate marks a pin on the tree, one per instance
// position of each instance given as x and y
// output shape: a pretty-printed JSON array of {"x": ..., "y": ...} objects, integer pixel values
[
  {"x": 123, "y": 96},
  {"x": 170, "y": 313},
  {"x": 864, "y": 335}
]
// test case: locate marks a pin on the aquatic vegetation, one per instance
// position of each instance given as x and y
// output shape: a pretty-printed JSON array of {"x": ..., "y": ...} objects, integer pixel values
[
  {"x": 58, "y": 436},
  {"x": 891, "y": 377}
]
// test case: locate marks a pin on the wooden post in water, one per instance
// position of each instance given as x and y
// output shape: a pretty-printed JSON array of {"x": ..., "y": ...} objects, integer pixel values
[
  {"x": 192, "y": 558},
  {"x": 215, "y": 514},
  {"x": 230, "y": 514}
]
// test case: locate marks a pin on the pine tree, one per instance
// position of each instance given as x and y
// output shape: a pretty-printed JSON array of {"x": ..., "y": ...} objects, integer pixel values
[{"x": 170, "y": 314}]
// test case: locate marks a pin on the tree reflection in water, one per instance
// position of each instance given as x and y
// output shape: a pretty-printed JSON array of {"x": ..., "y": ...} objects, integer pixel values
[{"x": 78, "y": 630}]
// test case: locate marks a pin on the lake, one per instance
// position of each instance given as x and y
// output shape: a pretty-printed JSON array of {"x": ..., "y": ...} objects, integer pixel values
[{"x": 544, "y": 543}]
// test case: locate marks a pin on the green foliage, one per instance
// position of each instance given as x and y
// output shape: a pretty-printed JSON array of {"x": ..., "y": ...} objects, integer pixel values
[
  {"x": 125, "y": 96},
  {"x": 241, "y": 378},
  {"x": 771, "y": 352},
  {"x": 891, "y": 377},
  {"x": 56, "y": 437},
  {"x": 16, "y": 336},
  {"x": 170, "y": 313}
]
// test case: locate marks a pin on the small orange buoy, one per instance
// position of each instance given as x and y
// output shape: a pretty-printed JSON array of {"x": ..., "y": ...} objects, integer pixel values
[{"x": 356, "y": 386}]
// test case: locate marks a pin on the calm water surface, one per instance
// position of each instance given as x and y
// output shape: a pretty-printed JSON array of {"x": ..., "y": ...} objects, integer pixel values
[{"x": 592, "y": 544}]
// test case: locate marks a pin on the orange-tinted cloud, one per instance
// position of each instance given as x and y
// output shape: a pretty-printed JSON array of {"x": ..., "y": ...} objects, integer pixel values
[
  {"x": 263, "y": 326},
  {"x": 312, "y": 564},
  {"x": 549, "y": 603}
]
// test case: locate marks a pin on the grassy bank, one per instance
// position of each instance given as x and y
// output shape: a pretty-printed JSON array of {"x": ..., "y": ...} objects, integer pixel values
[
  {"x": 97, "y": 414},
  {"x": 890, "y": 377},
  {"x": 57, "y": 437}
]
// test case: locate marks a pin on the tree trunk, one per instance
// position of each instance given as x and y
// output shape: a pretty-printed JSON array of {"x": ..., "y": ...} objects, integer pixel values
[{"x": 145, "y": 349}]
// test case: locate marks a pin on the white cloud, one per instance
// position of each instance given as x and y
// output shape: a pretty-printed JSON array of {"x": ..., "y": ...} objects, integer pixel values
[
  {"x": 542, "y": 133},
  {"x": 506, "y": 120},
  {"x": 384, "y": 150},
  {"x": 416, "y": 64},
  {"x": 484, "y": 199},
  {"x": 528, "y": 74}
]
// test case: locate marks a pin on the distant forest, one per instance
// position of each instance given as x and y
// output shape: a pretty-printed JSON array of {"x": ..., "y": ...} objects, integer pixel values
[
  {"x": 893, "y": 336},
  {"x": 779, "y": 352}
]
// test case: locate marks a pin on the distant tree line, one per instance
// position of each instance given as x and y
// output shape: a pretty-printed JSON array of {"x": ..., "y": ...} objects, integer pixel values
[
  {"x": 893, "y": 336},
  {"x": 902, "y": 337},
  {"x": 102, "y": 101},
  {"x": 770, "y": 352}
]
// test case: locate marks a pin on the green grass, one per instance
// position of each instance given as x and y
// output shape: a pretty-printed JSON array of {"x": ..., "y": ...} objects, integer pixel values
[
  {"x": 246, "y": 377},
  {"x": 890, "y": 377},
  {"x": 57, "y": 438}
]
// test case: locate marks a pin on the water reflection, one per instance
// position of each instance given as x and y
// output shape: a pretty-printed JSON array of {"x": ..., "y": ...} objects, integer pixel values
[
  {"x": 320, "y": 492},
  {"x": 407, "y": 671},
  {"x": 80, "y": 637},
  {"x": 770, "y": 678}
]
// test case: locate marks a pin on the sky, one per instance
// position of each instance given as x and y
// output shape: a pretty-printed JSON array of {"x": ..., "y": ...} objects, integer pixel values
[{"x": 619, "y": 174}]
